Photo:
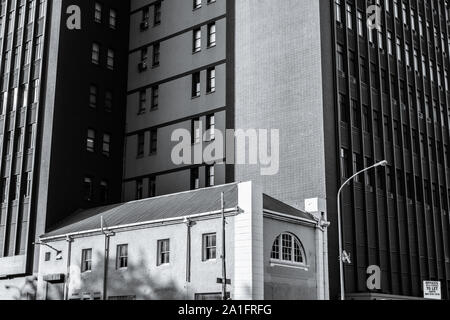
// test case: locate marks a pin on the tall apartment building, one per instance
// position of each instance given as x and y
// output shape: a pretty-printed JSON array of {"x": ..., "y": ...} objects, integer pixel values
[
  {"x": 63, "y": 78},
  {"x": 343, "y": 96},
  {"x": 179, "y": 76}
]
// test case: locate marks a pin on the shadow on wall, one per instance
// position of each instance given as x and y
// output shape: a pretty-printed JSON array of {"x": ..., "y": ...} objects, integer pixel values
[
  {"x": 137, "y": 280},
  {"x": 26, "y": 292}
]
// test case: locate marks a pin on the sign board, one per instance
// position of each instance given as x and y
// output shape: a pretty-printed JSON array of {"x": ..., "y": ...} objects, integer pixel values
[{"x": 432, "y": 290}]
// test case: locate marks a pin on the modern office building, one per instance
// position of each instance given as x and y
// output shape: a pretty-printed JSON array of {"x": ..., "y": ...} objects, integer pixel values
[
  {"x": 63, "y": 74},
  {"x": 170, "y": 247},
  {"x": 342, "y": 94}
]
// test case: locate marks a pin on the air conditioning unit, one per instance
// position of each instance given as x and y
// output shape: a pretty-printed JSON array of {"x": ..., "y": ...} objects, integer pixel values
[
  {"x": 391, "y": 195},
  {"x": 353, "y": 80},
  {"x": 420, "y": 115},
  {"x": 410, "y": 202},
  {"x": 144, "y": 25},
  {"x": 142, "y": 66}
]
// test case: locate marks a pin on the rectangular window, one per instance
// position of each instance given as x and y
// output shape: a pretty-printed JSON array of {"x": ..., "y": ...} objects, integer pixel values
[
  {"x": 211, "y": 85},
  {"x": 163, "y": 252},
  {"x": 197, "y": 4},
  {"x": 122, "y": 256},
  {"x": 156, "y": 54},
  {"x": 209, "y": 247},
  {"x": 157, "y": 13},
  {"x": 142, "y": 101},
  {"x": 153, "y": 141},
  {"x": 211, "y": 126},
  {"x": 110, "y": 59},
  {"x": 210, "y": 176},
  {"x": 197, "y": 40},
  {"x": 87, "y": 188},
  {"x": 152, "y": 187},
  {"x": 155, "y": 98},
  {"x": 104, "y": 191},
  {"x": 108, "y": 101},
  {"x": 98, "y": 13},
  {"x": 112, "y": 19},
  {"x": 139, "y": 189},
  {"x": 90, "y": 140},
  {"x": 93, "y": 96},
  {"x": 196, "y": 87},
  {"x": 211, "y": 35},
  {"x": 95, "y": 53},
  {"x": 106, "y": 149},
  {"x": 195, "y": 179},
  {"x": 140, "y": 145},
  {"x": 86, "y": 260}
]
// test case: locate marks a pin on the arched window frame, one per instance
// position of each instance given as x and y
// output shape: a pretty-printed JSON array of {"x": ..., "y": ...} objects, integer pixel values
[{"x": 286, "y": 249}]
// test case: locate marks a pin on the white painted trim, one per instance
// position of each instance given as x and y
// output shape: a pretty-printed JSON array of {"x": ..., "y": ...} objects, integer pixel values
[{"x": 139, "y": 224}]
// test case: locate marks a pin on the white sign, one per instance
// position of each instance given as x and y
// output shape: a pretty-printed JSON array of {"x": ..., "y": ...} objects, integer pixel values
[{"x": 432, "y": 290}]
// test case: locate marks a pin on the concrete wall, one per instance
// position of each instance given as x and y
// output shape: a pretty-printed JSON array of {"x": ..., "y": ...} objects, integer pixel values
[
  {"x": 287, "y": 283},
  {"x": 279, "y": 86}
]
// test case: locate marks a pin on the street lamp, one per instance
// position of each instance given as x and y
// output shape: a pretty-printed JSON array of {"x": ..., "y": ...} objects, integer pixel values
[{"x": 342, "y": 253}]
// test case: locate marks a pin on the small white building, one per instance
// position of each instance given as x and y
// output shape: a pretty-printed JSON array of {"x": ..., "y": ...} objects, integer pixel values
[{"x": 170, "y": 247}]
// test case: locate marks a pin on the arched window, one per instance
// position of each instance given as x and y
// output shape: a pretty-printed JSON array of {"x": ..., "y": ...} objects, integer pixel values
[{"x": 288, "y": 248}]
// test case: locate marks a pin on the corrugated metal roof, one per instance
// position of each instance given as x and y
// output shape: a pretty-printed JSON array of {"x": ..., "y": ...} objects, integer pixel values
[
  {"x": 164, "y": 207},
  {"x": 152, "y": 209},
  {"x": 275, "y": 205}
]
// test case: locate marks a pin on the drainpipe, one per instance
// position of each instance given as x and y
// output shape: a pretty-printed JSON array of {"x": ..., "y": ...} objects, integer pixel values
[
  {"x": 188, "y": 249},
  {"x": 67, "y": 279},
  {"x": 108, "y": 235}
]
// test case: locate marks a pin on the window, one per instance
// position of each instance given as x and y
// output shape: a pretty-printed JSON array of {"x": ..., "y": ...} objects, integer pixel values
[
  {"x": 106, "y": 149},
  {"x": 95, "y": 53},
  {"x": 142, "y": 101},
  {"x": 287, "y": 248},
  {"x": 211, "y": 85},
  {"x": 14, "y": 188},
  {"x": 211, "y": 35},
  {"x": 87, "y": 188},
  {"x": 4, "y": 187},
  {"x": 139, "y": 189},
  {"x": 209, "y": 251},
  {"x": 196, "y": 88},
  {"x": 93, "y": 96},
  {"x": 110, "y": 59},
  {"x": 145, "y": 18},
  {"x": 112, "y": 19},
  {"x": 163, "y": 252},
  {"x": 48, "y": 256},
  {"x": 196, "y": 133},
  {"x": 338, "y": 11},
  {"x": 197, "y": 4},
  {"x": 156, "y": 54},
  {"x": 157, "y": 14},
  {"x": 153, "y": 141},
  {"x": 140, "y": 145},
  {"x": 155, "y": 98},
  {"x": 210, "y": 176},
  {"x": 349, "y": 17},
  {"x": 104, "y": 191},
  {"x": 98, "y": 13},
  {"x": 195, "y": 179},
  {"x": 211, "y": 126},
  {"x": 108, "y": 101},
  {"x": 90, "y": 140},
  {"x": 344, "y": 163},
  {"x": 197, "y": 40},
  {"x": 86, "y": 260},
  {"x": 152, "y": 187},
  {"x": 122, "y": 256}
]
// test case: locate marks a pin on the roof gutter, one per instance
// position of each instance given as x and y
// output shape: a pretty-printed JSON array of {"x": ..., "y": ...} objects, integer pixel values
[
  {"x": 283, "y": 215},
  {"x": 139, "y": 224}
]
